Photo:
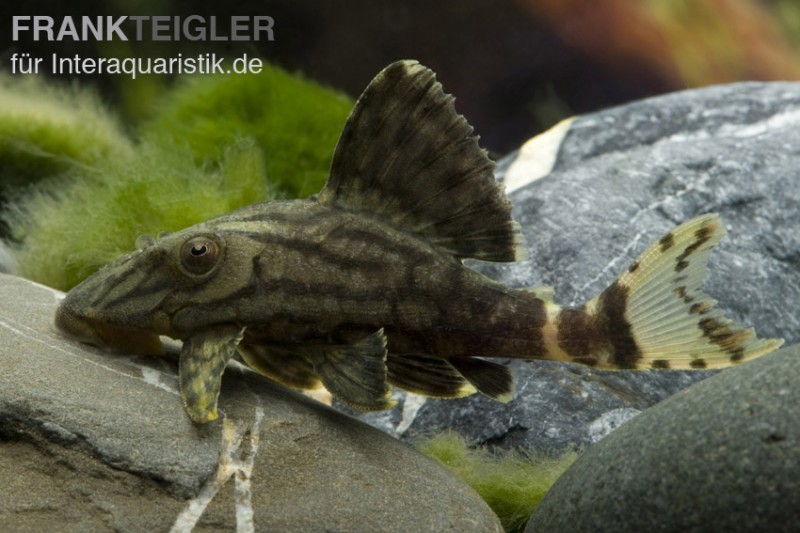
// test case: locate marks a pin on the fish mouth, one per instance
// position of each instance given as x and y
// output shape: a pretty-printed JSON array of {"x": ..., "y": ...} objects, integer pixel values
[{"x": 107, "y": 336}]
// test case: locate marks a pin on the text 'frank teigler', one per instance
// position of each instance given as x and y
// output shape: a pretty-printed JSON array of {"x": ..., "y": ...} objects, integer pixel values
[{"x": 141, "y": 28}]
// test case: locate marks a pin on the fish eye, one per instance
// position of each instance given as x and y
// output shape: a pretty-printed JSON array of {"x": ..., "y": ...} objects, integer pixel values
[{"x": 199, "y": 255}]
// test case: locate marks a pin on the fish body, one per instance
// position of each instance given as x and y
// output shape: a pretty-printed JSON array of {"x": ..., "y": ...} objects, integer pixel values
[{"x": 363, "y": 286}]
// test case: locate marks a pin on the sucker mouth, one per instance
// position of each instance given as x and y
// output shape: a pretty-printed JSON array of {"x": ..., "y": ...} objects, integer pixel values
[{"x": 107, "y": 336}]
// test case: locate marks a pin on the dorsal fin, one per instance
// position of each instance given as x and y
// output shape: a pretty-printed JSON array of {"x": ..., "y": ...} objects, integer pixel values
[{"x": 406, "y": 156}]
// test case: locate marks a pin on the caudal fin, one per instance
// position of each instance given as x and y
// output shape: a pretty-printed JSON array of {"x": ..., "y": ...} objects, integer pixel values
[{"x": 656, "y": 316}]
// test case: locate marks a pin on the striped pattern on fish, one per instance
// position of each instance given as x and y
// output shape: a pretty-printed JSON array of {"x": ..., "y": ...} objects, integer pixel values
[{"x": 363, "y": 285}]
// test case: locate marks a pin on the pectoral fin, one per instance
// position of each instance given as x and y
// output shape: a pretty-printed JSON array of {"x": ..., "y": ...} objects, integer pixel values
[
  {"x": 356, "y": 373},
  {"x": 202, "y": 362}
]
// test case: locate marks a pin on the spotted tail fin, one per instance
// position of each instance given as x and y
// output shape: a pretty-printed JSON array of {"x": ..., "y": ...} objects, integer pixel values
[{"x": 656, "y": 316}]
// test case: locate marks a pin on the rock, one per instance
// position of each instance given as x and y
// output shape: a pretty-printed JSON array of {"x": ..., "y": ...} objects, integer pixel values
[
  {"x": 722, "y": 455},
  {"x": 557, "y": 407},
  {"x": 626, "y": 176},
  {"x": 96, "y": 441},
  {"x": 618, "y": 181}
]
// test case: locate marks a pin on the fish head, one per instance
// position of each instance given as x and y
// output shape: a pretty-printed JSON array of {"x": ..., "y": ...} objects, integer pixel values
[{"x": 172, "y": 286}]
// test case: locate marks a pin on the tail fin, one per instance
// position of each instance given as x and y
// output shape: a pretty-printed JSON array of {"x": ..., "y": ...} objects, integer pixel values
[{"x": 656, "y": 316}]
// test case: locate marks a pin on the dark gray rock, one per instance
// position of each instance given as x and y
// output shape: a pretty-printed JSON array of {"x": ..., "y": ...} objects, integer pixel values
[
  {"x": 93, "y": 441},
  {"x": 722, "y": 455},
  {"x": 621, "y": 179},
  {"x": 557, "y": 407}
]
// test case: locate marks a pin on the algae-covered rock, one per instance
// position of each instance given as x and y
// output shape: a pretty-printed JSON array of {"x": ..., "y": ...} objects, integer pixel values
[
  {"x": 722, "y": 455},
  {"x": 100, "y": 442}
]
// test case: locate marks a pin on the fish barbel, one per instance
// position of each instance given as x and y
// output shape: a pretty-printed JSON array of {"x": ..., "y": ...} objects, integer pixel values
[{"x": 363, "y": 285}]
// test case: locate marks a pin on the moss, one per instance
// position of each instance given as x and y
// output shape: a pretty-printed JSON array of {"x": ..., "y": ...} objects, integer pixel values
[
  {"x": 218, "y": 143},
  {"x": 46, "y": 131},
  {"x": 70, "y": 231},
  {"x": 295, "y": 122},
  {"x": 512, "y": 483}
]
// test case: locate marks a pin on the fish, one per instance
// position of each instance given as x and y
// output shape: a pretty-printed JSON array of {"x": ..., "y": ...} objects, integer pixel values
[{"x": 363, "y": 286}]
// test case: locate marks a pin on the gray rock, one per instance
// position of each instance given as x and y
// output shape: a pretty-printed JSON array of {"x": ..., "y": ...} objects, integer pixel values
[
  {"x": 95, "y": 441},
  {"x": 557, "y": 407},
  {"x": 618, "y": 185},
  {"x": 621, "y": 179},
  {"x": 737, "y": 110},
  {"x": 722, "y": 455}
]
